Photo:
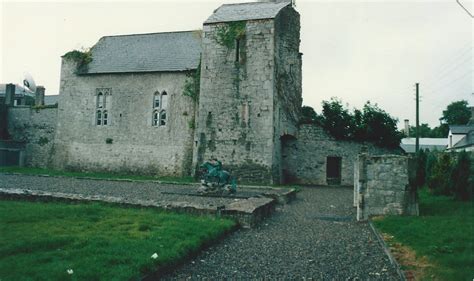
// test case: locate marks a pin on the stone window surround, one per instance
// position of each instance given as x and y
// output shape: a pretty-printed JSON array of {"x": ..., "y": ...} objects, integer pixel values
[
  {"x": 102, "y": 106},
  {"x": 160, "y": 105}
]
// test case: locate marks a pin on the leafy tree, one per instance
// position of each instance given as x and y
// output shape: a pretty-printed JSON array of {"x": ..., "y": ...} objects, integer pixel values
[
  {"x": 457, "y": 113},
  {"x": 308, "y": 115},
  {"x": 336, "y": 119},
  {"x": 441, "y": 131},
  {"x": 424, "y": 129},
  {"x": 380, "y": 128},
  {"x": 370, "y": 124}
]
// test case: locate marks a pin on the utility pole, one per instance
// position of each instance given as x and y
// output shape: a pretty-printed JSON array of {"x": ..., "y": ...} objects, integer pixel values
[{"x": 417, "y": 147}]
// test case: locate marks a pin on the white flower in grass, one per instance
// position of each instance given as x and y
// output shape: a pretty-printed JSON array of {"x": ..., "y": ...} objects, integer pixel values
[
  {"x": 154, "y": 256},
  {"x": 69, "y": 271}
]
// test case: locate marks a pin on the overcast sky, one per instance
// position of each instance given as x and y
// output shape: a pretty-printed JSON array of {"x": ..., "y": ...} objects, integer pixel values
[{"x": 356, "y": 50}]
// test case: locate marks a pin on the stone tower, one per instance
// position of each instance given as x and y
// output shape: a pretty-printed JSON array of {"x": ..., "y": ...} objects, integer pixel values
[{"x": 250, "y": 92}]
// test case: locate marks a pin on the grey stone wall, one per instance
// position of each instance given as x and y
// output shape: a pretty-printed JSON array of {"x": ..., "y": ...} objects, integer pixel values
[
  {"x": 305, "y": 157},
  {"x": 241, "y": 113},
  {"x": 136, "y": 145},
  {"x": 36, "y": 128},
  {"x": 382, "y": 186},
  {"x": 288, "y": 84}
]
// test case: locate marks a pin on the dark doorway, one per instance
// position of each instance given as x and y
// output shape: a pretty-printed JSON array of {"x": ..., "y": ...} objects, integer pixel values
[
  {"x": 333, "y": 170},
  {"x": 288, "y": 147}
]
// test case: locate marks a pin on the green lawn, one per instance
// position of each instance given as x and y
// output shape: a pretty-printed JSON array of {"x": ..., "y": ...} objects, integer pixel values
[
  {"x": 41, "y": 241},
  {"x": 444, "y": 233},
  {"x": 38, "y": 171}
]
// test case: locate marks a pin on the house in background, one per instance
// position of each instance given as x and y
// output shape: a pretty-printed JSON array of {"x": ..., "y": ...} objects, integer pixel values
[
  {"x": 432, "y": 144},
  {"x": 22, "y": 96},
  {"x": 461, "y": 137}
]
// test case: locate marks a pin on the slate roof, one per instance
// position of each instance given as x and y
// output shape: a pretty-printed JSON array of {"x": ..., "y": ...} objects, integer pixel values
[
  {"x": 461, "y": 129},
  {"x": 467, "y": 141},
  {"x": 409, "y": 144},
  {"x": 152, "y": 52},
  {"x": 246, "y": 11}
]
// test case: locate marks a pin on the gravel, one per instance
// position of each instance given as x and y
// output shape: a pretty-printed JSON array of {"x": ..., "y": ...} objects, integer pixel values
[{"x": 314, "y": 237}]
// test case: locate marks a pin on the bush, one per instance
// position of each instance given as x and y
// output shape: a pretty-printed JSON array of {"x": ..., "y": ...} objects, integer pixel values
[
  {"x": 462, "y": 183},
  {"x": 439, "y": 179}
]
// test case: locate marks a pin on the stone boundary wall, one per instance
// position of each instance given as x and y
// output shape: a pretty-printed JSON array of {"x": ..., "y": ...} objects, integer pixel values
[
  {"x": 381, "y": 187},
  {"x": 305, "y": 158},
  {"x": 36, "y": 128}
]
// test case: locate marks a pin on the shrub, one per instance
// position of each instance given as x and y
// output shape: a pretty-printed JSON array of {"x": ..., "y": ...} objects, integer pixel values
[
  {"x": 462, "y": 183},
  {"x": 439, "y": 178}
]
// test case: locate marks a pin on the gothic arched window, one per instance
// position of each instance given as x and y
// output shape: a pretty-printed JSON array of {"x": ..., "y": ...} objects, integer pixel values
[
  {"x": 160, "y": 104},
  {"x": 103, "y": 98}
]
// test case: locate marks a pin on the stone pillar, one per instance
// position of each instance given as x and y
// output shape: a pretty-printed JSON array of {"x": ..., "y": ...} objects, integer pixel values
[
  {"x": 39, "y": 96},
  {"x": 362, "y": 187},
  {"x": 9, "y": 94}
]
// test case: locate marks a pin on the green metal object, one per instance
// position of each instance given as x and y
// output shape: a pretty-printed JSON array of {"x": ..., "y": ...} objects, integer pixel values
[{"x": 216, "y": 180}]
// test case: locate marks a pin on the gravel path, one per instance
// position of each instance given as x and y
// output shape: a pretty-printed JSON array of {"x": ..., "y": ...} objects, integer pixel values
[{"x": 315, "y": 236}]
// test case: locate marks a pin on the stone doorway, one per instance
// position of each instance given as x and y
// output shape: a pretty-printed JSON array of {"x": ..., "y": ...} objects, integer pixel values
[
  {"x": 333, "y": 170},
  {"x": 288, "y": 143}
]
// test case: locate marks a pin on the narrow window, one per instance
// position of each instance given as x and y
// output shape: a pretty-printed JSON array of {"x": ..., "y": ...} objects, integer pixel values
[
  {"x": 99, "y": 117},
  {"x": 104, "y": 118},
  {"x": 103, "y": 102},
  {"x": 163, "y": 118},
  {"x": 237, "y": 50},
  {"x": 156, "y": 100},
  {"x": 164, "y": 100},
  {"x": 160, "y": 104},
  {"x": 100, "y": 100},
  {"x": 156, "y": 117}
]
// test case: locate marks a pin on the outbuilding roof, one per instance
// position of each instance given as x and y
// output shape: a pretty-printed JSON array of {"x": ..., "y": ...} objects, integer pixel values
[
  {"x": 461, "y": 129},
  {"x": 152, "y": 52},
  {"x": 438, "y": 144},
  {"x": 246, "y": 11}
]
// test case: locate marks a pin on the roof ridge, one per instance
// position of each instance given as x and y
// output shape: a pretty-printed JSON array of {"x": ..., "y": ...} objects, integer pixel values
[
  {"x": 150, "y": 33},
  {"x": 252, "y": 3}
]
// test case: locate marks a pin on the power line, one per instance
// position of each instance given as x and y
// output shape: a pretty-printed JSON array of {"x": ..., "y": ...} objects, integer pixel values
[{"x": 450, "y": 82}]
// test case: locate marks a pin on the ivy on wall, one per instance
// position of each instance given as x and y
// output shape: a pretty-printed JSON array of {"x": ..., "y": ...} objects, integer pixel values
[
  {"x": 81, "y": 58},
  {"x": 193, "y": 83},
  {"x": 229, "y": 32}
]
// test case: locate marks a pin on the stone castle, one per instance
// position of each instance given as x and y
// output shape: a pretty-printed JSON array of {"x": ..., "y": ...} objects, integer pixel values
[{"x": 163, "y": 103}]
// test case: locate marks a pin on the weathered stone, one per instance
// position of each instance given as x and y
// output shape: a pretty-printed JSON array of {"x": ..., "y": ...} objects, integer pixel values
[{"x": 385, "y": 190}]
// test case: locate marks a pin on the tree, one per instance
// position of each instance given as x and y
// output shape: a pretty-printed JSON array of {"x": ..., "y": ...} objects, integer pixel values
[
  {"x": 441, "y": 131},
  {"x": 426, "y": 132},
  {"x": 308, "y": 115},
  {"x": 370, "y": 124},
  {"x": 457, "y": 113},
  {"x": 380, "y": 127},
  {"x": 336, "y": 119}
]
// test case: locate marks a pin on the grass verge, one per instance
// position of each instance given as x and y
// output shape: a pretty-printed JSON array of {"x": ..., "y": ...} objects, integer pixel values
[
  {"x": 42, "y": 241},
  {"x": 439, "y": 244},
  {"x": 95, "y": 175}
]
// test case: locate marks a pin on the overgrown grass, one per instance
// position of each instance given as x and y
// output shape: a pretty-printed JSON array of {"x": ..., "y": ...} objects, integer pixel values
[
  {"x": 41, "y": 241},
  {"x": 39, "y": 171},
  {"x": 444, "y": 233}
]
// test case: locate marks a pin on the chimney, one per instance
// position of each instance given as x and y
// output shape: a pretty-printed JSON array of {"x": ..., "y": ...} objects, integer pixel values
[
  {"x": 9, "y": 94},
  {"x": 407, "y": 128},
  {"x": 39, "y": 96}
]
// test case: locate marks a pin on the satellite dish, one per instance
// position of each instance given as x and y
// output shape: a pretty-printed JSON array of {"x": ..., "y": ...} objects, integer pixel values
[{"x": 29, "y": 83}]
